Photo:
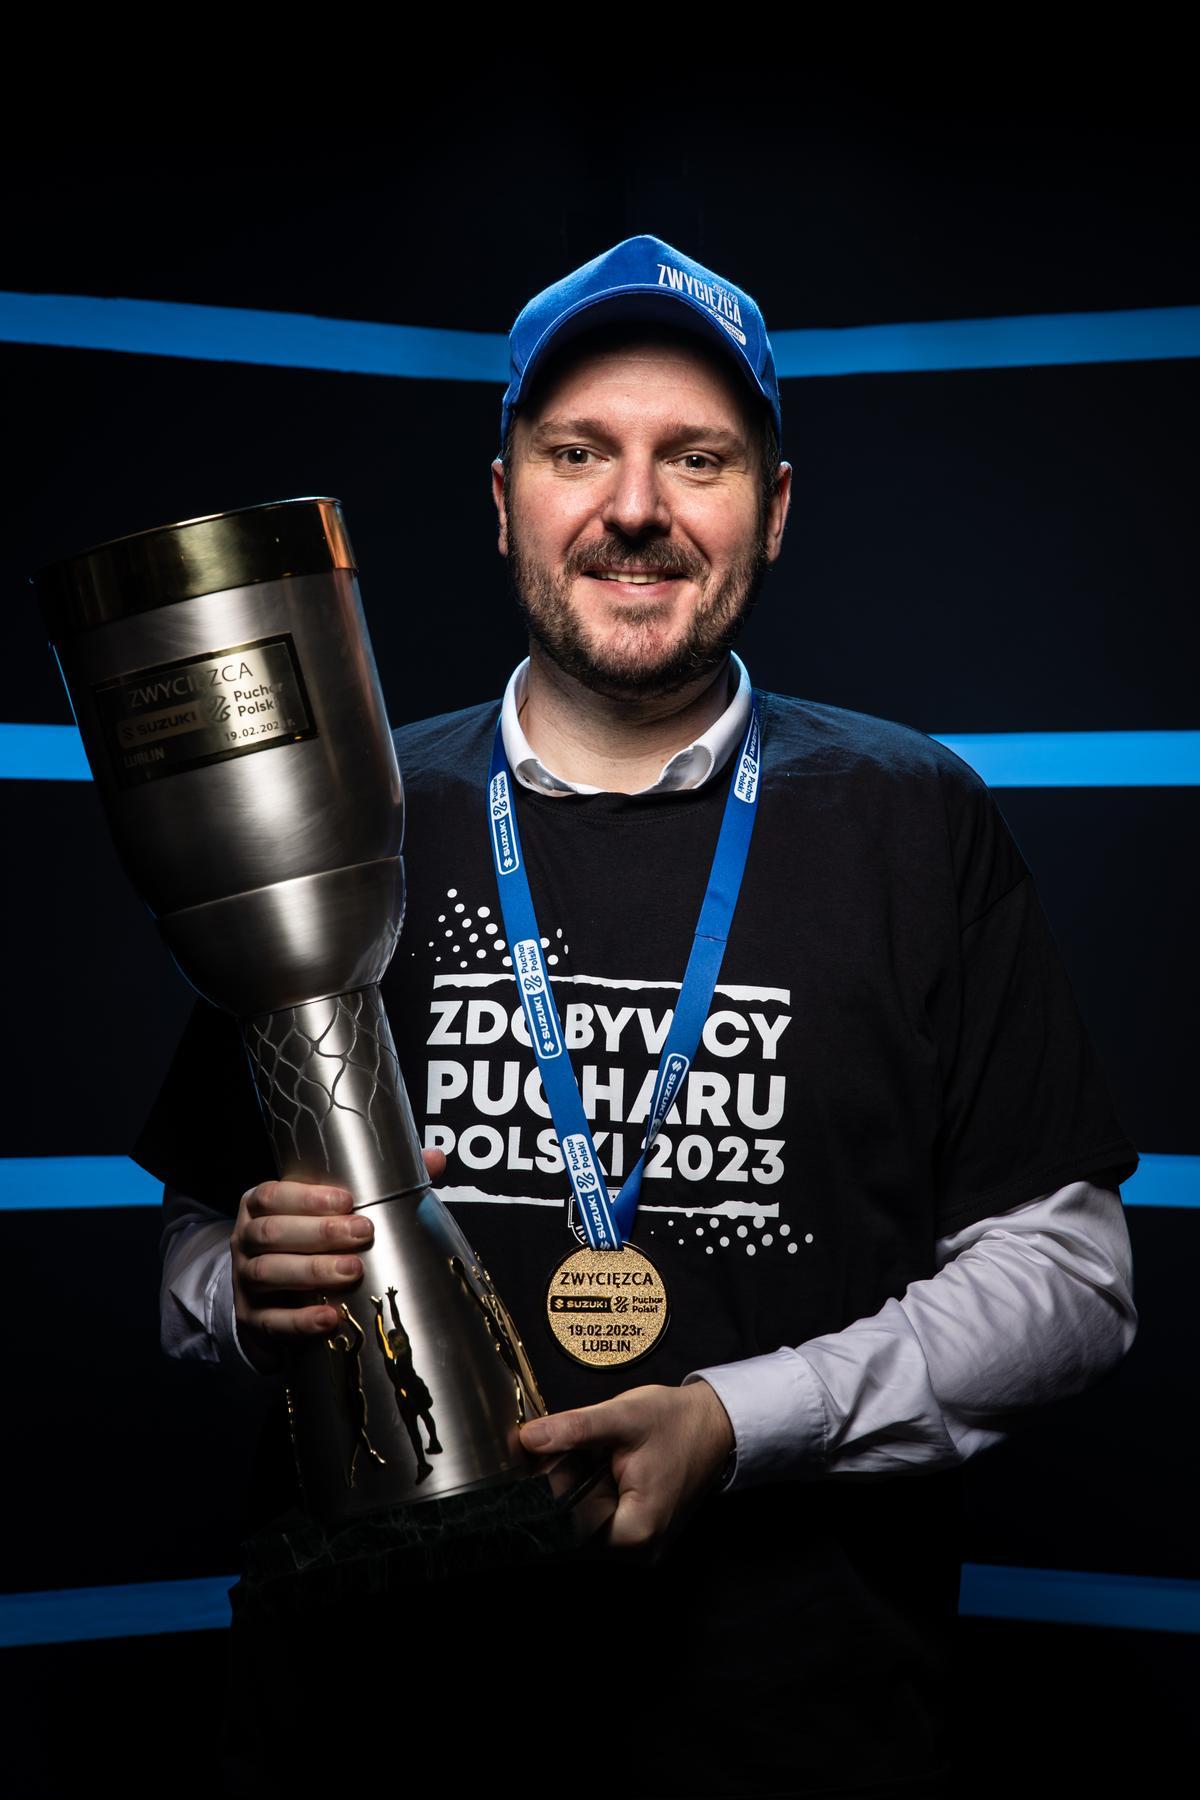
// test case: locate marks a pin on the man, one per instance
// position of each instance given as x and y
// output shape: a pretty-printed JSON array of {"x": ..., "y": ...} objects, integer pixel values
[{"x": 882, "y": 1203}]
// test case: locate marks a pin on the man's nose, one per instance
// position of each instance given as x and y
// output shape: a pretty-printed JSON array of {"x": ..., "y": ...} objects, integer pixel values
[{"x": 636, "y": 500}]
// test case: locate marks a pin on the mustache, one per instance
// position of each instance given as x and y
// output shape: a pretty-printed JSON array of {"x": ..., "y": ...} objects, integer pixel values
[{"x": 655, "y": 559}]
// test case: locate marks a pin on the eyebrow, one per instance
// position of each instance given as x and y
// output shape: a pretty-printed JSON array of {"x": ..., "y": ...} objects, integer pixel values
[{"x": 677, "y": 432}]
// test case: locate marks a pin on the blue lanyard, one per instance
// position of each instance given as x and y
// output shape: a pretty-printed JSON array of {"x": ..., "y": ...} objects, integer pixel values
[{"x": 608, "y": 1222}]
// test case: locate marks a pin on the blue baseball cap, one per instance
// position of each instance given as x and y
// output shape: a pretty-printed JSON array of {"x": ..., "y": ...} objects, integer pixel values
[{"x": 641, "y": 278}]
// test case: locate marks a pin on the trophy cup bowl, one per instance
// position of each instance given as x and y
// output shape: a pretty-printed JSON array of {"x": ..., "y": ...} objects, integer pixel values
[{"x": 223, "y": 682}]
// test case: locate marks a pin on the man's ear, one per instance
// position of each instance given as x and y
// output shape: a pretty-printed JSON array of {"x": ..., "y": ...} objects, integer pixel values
[
  {"x": 777, "y": 512},
  {"x": 501, "y": 509}
]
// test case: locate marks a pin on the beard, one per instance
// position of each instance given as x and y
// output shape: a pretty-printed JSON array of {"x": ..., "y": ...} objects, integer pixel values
[{"x": 634, "y": 660}]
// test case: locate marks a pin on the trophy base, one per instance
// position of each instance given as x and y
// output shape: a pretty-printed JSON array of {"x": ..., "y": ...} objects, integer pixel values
[{"x": 297, "y": 1567}]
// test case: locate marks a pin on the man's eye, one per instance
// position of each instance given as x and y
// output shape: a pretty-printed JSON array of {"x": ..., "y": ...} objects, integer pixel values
[
  {"x": 571, "y": 452},
  {"x": 699, "y": 461}
]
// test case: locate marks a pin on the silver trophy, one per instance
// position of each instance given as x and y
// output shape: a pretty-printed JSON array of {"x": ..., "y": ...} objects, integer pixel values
[{"x": 227, "y": 696}]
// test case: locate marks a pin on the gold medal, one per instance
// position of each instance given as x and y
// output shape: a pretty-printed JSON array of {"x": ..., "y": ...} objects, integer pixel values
[{"x": 606, "y": 1308}]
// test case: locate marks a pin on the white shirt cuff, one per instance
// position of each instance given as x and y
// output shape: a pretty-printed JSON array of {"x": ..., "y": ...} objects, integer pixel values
[
  {"x": 198, "y": 1322},
  {"x": 778, "y": 1416}
]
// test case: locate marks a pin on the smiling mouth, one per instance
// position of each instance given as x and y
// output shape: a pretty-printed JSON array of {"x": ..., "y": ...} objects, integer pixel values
[{"x": 634, "y": 578}]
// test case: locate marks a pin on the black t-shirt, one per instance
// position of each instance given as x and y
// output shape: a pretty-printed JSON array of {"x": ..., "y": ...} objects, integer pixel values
[{"x": 892, "y": 1052}]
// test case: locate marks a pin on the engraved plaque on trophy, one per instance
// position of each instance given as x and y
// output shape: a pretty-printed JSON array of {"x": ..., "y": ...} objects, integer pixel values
[{"x": 227, "y": 696}]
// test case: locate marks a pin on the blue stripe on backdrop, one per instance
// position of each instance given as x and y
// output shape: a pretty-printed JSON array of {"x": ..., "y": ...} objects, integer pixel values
[
  {"x": 1148, "y": 334},
  {"x": 70, "y": 1615},
  {"x": 1163, "y": 1179},
  {"x": 58, "y": 1183},
  {"x": 357, "y": 346},
  {"x": 989, "y": 1591},
  {"x": 1075, "y": 1597},
  {"x": 241, "y": 334},
  {"x": 1005, "y": 759},
  {"x": 42, "y": 753},
  {"x": 1070, "y": 759}
]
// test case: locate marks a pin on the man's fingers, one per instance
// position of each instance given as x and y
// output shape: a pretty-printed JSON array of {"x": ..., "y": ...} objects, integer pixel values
[
  {"x": 301, "y": 1273},
  {"x": 561, "y": 1431},
  {"x": 607, "y": 1423},
  {"x": 294, "y": 1238},
  {"x": 267, "y": 1337},
  {"x": 296, "y": 1321},
  {"x": 651, "y": 1437},
  {"x": 295, "y": 1197},
  {"x": 291, "y": 1197},
  {"x": 297, "y": 1232},
  {"x": 636, "y": 1525}
]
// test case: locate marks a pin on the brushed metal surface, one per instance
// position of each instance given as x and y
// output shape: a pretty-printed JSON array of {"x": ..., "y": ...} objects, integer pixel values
[
  {"x": 254, "y": 820},
  {"x": 294, "y": 941},
  {"x": 148, "y": 569},
  {"x": 477, "y": 1399},
  {"x": 274, "y": 870}
]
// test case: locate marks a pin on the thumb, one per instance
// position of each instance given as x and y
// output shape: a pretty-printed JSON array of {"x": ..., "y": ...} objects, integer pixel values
[{"x": 567, "y": 1430}]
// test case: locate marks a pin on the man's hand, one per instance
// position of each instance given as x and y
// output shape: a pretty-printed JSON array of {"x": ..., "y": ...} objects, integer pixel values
[
  {"x": 292, "y": 1239},
  {"x": 667, "y": 1448}
]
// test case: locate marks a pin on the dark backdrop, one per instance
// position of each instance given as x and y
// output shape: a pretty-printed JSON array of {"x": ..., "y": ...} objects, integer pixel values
[{"x": 996, "y": 550}]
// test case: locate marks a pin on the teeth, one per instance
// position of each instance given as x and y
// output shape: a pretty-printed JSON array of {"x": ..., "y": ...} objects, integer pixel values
[{"x": 641, "y": 580}]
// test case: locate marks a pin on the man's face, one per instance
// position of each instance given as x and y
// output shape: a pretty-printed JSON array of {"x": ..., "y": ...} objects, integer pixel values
[{"x": 633, "y": 523}]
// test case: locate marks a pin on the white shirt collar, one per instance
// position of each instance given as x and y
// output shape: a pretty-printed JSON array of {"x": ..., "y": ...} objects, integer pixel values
[{"x": 688, "y": 768}]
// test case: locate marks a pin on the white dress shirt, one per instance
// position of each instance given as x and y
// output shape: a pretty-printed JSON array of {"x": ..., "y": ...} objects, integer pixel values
[{"x": 1027, "y": 1306}]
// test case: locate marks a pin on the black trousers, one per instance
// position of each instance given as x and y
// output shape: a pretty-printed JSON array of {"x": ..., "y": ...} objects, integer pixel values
[{"x": 793, "y": 1640}]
